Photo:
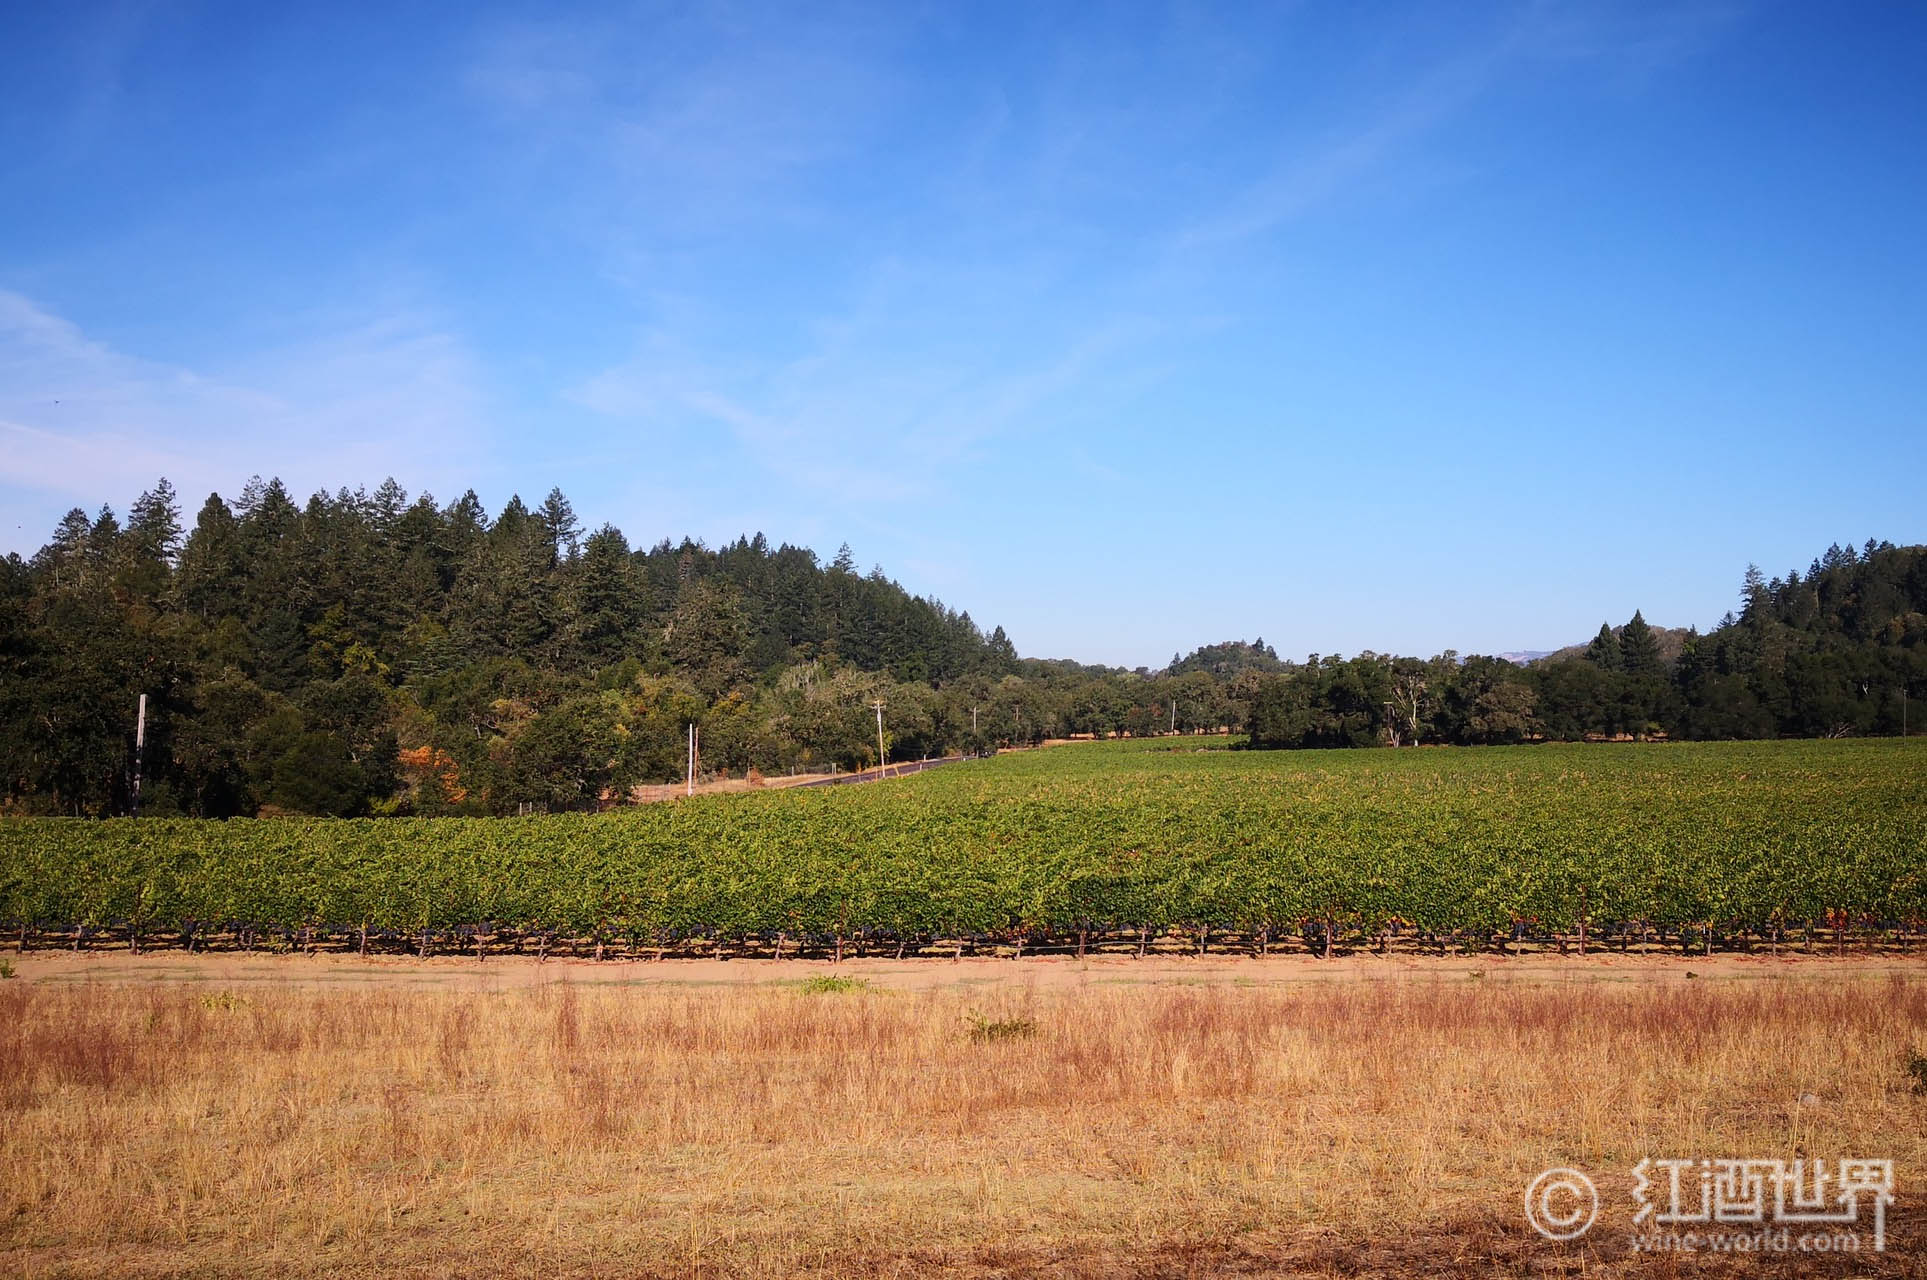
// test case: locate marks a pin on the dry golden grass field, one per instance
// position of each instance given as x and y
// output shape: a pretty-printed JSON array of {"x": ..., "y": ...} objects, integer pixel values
[{"x": 190, "y": 1116}]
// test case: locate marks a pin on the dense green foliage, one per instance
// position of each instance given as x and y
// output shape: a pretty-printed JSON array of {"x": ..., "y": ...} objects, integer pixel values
[
  {"x": 1838, "y": 652},
  {"x": 368, "y": 654},
  {"x": 1725, "y": 837}
]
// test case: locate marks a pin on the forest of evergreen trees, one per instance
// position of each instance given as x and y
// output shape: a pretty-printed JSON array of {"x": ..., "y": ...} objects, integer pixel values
[
  {"x": 1837, "y": 651},
  {"x": 372, "y": 653}
]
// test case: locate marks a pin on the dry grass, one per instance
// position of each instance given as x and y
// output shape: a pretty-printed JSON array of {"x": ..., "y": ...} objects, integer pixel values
[{"x": 1381, "y": 1127}]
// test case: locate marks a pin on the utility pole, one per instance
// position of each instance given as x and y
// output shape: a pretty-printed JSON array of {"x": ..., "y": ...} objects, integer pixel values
[
  {"x": 878, "y": 704},
  {"x": 1174, "y": 715},
  {"x": 140, "y": 745},
  {"x": 692, "y": 758}
]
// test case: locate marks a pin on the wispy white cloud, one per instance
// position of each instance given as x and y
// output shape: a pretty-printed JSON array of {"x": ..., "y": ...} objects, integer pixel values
[
  {"x": 645, "y": 134},
  {"x": 1626, "y": 44},
  {"x": 1034, "y": 261},
  {"x": 1312, "y": 174},
  {"x": 81, "y": 422},
  {"x": 1608, "y": 42},
  {"x": 866, "y": 412}
]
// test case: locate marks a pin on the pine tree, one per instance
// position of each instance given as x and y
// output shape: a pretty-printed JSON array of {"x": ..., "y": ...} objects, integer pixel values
[
  {"x": 64, "y": 548},
  {"x": 154, "y": 523},
  {"x": 559, "y": 525},
  {"x": 251, "y": 494},
  {"x": 387, "y": 505},
  {"x": 708, "y": 635},
  {"x": 1638, "y": 648},
  {"x": 607, "y": 598},
  {"x": 466, "y": 519},
  {"x": 1003, "y": 654},
  {"x": 1753, "y": 592},
  {"x": 511, "y": 524},
  {"x": 1603, "y": 652},
  {"x": 210, "y": 562}
]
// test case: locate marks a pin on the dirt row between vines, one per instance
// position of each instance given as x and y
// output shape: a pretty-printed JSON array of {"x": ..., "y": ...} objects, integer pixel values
[{"x": 465, "y": 973}]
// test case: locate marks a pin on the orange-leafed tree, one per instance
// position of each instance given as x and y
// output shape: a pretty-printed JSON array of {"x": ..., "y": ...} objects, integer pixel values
[{"x": 434, "y": 780}]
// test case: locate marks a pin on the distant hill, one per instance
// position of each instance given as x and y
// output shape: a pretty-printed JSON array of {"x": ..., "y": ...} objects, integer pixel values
[{"x": 1672, "y": 643}]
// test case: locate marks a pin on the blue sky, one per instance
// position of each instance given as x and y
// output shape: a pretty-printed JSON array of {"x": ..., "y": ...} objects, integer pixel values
[{"x": 1129, "y": 328}]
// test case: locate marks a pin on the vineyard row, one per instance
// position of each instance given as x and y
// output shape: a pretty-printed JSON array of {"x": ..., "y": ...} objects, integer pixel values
[
  {"x": 1836, "y": 936},
  {"x": 1725, "y": 845}
]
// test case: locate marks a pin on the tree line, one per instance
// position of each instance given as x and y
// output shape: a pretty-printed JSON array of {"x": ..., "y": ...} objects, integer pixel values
[
  {"x": 1838, "y": 651},
  {"x": 377, "y": 653}
]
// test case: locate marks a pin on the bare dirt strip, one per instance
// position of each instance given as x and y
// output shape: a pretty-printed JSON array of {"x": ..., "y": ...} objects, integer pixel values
[{"x": 1049, "y": 972}]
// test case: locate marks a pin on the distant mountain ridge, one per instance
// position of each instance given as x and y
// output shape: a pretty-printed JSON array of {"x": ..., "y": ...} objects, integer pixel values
[{"x": 1525, "y": 657}]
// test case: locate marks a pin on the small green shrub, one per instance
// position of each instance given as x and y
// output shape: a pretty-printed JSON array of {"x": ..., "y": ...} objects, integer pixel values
[
  {"x": 1917, "y": 1068},
  {"x": 982, "y": 1028},
  {"x": 827, "y": 984}
]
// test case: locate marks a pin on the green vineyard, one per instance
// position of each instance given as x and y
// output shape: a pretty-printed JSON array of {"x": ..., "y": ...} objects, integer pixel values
[{"x": 1119, "y": 846}]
